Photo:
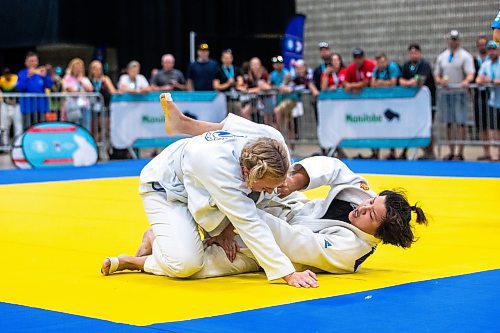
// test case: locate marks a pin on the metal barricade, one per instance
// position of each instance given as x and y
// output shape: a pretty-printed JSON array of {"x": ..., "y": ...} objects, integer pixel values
[
  {"x": 21, "y": 110},
  {"x": 467, "y": 116},
  {"x": 293, "y": 114}
]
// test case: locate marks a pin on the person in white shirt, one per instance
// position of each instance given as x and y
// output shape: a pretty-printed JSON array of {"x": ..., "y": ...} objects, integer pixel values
[
  {"x": 454, "y": 70},
  {"x": 133, "y": 82}
]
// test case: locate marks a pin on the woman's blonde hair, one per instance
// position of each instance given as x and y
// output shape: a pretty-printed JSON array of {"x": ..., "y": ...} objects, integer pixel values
[
  {"x": 265, "y": 158},
  {"x": 72, "y": 63},
  {"x": 92, "y": 65}
]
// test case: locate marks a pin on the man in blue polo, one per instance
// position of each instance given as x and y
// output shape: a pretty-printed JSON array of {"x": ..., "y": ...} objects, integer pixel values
[
  {"x": 201, "y": 73},
  {"x": 489, "y": 73},
  {"x": 33, "y": 79}
]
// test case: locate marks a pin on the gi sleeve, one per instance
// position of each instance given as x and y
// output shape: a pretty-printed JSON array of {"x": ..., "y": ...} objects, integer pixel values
[
  {"x": 225, "y": 189},
  {"x": 323, "y": 170}
]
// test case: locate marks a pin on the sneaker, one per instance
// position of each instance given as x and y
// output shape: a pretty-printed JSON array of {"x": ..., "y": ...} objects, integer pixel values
[
  {"x": 484, "y": 158},
  {"x": 403, "y": 156},
  {"x": 459, "y": 157}
]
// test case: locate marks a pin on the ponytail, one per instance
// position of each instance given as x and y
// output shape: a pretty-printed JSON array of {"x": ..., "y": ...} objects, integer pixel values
[{"x": 265, "y": 158}]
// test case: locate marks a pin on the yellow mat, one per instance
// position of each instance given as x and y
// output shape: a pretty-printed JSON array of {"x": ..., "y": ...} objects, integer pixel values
[{"x": 55, "y": 236}]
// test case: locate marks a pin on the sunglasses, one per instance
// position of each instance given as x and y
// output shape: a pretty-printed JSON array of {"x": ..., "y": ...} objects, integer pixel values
[{"x": 277, "y": 59}]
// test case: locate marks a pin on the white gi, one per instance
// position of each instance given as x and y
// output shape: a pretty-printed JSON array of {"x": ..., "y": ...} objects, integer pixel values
[
  {"x": 309, "y": 241},
  {"x": 198, "y": 181},
  {"x": 329, "y": 245}
]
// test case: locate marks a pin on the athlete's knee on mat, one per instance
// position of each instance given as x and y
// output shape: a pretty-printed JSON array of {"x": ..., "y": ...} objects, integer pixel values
[{"x": 184, "y": 267}]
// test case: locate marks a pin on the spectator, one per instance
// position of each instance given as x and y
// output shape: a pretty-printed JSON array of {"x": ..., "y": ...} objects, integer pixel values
[
  {"x": 227, "y": 73},
  {"x": 225, "y": 81},
  {"x": 489, "y": 73},
  {"x": 10, "y": 113},
  {"x": 154, "y": 71},
  {"x": 280, "y": 76},
  {"x": 284, "y": 111},
  {"x": 332, "y": 79},
  {"x": 454, "y": 66},
  {"x": 359, "y": 72},
  {"x": 102, "y": 84},
  {"x": 133, "y": 82},
  {"x": 77, "y": 108},
  {"x": 481, "y": 98},
  {"x": 358, "y": 75},
  {"x": 334, "y": 75},
  {"x": 416, "y": 73},
  {"x": 253, "y": 82},
  {"x": 386, "y": 74},
  {"x": 55, "y": 76},
  {"x": 33, "y": 79},
  {"x": 325, "y": 54},
  {"x": 168, "y": 78},
  {"x": 201, "y": 73}
]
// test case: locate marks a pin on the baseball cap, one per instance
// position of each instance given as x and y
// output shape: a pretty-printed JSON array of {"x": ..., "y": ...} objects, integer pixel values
[
  {"x": 203, "y": 46},
  {"x": 454, "y": 34},
  {"x": 358, "y": 52},
  {"x": 491, "y": 45},
  {"x": 324, "y": 45},
  {"x": 277, "y": 59}
]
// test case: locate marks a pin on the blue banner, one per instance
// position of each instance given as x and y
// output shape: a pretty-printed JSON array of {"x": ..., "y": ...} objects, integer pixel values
[{"x": 293, "y": 41}]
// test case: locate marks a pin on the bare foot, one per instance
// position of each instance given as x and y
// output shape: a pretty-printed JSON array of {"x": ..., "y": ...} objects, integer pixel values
[
  {"x": 146, "y": 247},
  {"x": 173, "y": 116},
  {"x": 124, "y": 262}
]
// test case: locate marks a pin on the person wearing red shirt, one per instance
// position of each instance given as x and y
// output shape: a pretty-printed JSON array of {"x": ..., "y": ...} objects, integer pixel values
[
  {"x": 358, "y": 75},
  {"x": 334, "y": 75},
  {"x": 359, "y": 72}
]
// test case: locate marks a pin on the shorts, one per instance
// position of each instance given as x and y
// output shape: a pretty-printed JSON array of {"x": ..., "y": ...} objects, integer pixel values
[
  {"x": 494, "y": 118},
  {"x": 481, "y": 109},
  {"x": 266, "y": 104},
  {"x": 453, "y": 106}
]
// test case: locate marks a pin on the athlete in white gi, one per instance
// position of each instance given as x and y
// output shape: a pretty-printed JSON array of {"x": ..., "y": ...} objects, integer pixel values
[{"x": 199, "y": 182}]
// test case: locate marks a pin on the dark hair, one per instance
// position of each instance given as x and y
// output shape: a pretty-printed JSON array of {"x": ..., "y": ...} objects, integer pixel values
[
  {"x": 380, "y": 55},
  {"x": 395, "y": 227},
  {"x": 31, "y": 54},
  {"x": 342, "y": 65},
  {"x": 414, "y": 46},
  {"x": 482, "y": 37}
]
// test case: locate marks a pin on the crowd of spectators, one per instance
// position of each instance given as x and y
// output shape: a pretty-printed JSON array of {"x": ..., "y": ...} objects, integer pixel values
[{"x": 274, "y": 98}]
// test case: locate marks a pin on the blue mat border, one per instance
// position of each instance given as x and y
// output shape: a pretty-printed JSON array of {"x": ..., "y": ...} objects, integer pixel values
[
  {"x": 463, "y": 303},
  {"x": 132, "y": 168}
]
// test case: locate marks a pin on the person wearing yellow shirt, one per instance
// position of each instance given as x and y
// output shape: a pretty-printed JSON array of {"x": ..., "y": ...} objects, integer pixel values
[{"x": 9, "y": 109}]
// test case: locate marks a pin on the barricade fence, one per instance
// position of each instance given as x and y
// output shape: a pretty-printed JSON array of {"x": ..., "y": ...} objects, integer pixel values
[
  {"x": 22, "y": 110},
  {"x": 295, "y": 114},
  {"x": 468, "y": 116}
]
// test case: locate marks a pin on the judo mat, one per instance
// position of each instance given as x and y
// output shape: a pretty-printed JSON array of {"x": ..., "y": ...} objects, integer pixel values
[{"x": 56, "y": 227}]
